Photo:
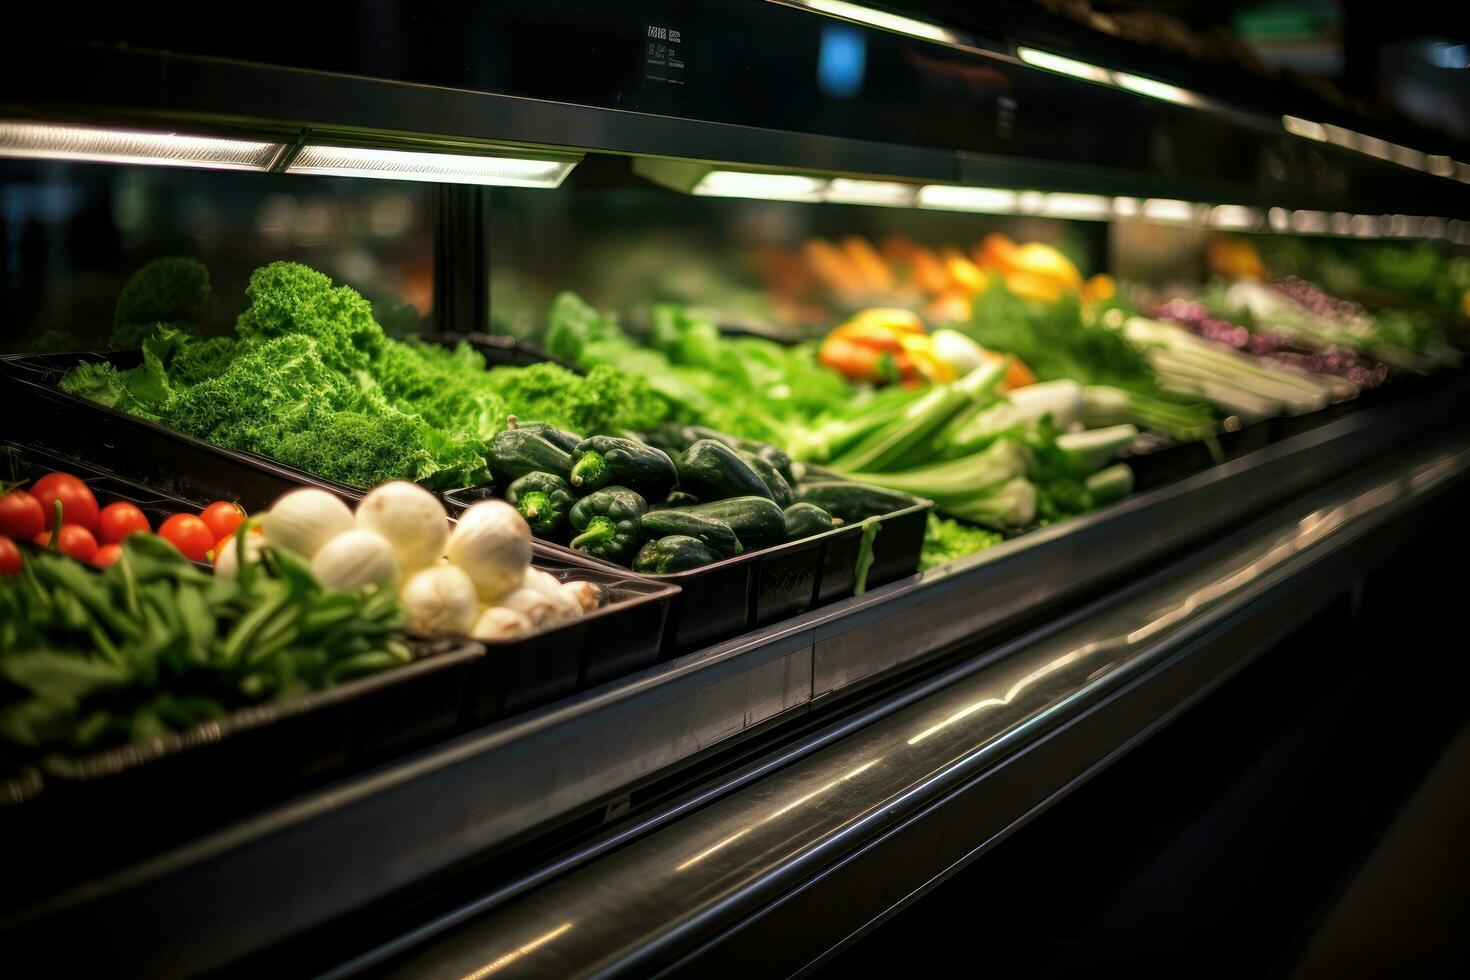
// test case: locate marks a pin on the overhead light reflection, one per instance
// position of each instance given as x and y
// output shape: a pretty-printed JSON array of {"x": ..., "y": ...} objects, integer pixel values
[
  {"x": 1304, "y": 128},
  {"x": 882, "y": 20},
  {"x": 1155, "y": 89},
  {"x": 1009, "y": 696},
  {"x": 1064, "y": 66},
  {"x": 505, "y": 960},
  {"x": 781, "y": 811}
]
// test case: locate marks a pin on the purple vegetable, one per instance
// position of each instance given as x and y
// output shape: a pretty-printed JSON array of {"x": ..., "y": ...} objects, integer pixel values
[{"x": 1315, "y": 299}]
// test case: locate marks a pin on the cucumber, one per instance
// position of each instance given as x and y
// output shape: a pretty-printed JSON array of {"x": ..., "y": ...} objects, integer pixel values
[
  {"x": 604, "y": 461},
  {"x": 560, "y": 438},
  {"x": 770, "y": 476},
  {"x": 676, "y": 499},
  {"x": 756, "y": 521},
  {"x": 714, "y": 471},
  {"x": 777, "y": 458},
  {"x": 852, "y": 501},
  {"x": 516, "y": 452},
  {"x": 715, "y": 533},
  {"x": 804, "y": 520},
  {"x": 676, "y": 438}
]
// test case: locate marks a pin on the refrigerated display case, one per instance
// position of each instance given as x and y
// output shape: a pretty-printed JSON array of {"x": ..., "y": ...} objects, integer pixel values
[{"x": 745, "y": 773}]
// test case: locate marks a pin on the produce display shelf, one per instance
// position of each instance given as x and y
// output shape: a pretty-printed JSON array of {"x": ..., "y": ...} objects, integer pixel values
[
  {"x": 403, "y": 825},
  {"x": 772, "y": 873},
  {"x": 719, "y": 601},
  {"x": 206, "y": 775}
]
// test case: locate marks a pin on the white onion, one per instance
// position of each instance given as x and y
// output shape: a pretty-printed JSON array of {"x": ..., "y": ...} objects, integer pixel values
[
  {"x": 587, "y": 594},
  {"x": 493, "y": 544},
  {"x": 440, "y": 601},
  {"x": 500, "y": 623},
  {"x": 225, "y": 565},
  {"x": 411, "y": 518},
  {"x": 354, "y": 559},
  {"x": 304, "y": 520}
]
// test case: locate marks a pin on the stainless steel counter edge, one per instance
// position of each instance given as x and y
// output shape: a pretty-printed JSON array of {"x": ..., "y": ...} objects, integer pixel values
[{"x": 642, "y": 908}]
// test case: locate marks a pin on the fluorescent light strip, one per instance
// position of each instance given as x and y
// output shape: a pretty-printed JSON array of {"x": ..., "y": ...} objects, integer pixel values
[
  {"x": 985, "y": 200},
  {"x": 442, "y": 168},
  {"x": 1065, "y": 66},
  {"x": 1091, "y": 206},
  {"x": 883, "y": 193},
  {"x": 1161, "y": 209},
  {"x": 88, "y": 144},
  {"x": 1235, "y": 217},
  {"x": 768, "y": 187},
  {"x": 1155, "y": 89},
  {"x": 1309, "y": 222},
  {"x": 882, "y": 20}
]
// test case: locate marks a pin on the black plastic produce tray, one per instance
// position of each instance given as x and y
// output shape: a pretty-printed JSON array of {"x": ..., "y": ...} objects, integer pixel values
[
  {"x": 172, "y": 786},
  {"x": 763, "y": 586},
  {"x": 760, "y": 587},
  {"x": 40, "y": 413},
  {"x": 621, "y": 636}
]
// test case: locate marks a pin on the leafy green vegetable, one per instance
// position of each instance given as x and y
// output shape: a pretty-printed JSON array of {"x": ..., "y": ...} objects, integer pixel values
[
  {"x": 946, "y": 540},
  {"x": 152, "y": 644},
  {"x": 746, "y": 386},
  {"x": 311, "y": 379},
  {"x": 1055, "y": 340},
  {"x": 170, "y": 291}
]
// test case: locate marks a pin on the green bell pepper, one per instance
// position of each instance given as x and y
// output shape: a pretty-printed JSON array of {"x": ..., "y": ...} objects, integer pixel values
[
  {"x": 543, "y": 499},
  {"x": 607, "y": 523},
  {"x": 674, "y": 553},
  {"x": 603, "y": 461}
]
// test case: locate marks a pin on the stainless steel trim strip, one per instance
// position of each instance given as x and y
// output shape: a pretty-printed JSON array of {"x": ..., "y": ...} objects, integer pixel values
[{"x": 636, "y": 909}]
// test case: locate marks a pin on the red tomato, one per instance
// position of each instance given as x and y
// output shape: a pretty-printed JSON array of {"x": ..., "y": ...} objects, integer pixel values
[
  {"x": 74, "y": 540},
  {"x": 107, "y": 555},
  {"x": 9, "y": 557},
  {"x": 189, "y": 534},
  {"x": 78, "y": 505},
  {"x": 21, "y": 515},
  {"x": 223, "y": 516},
  {"x": 118, "y": 520}
]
